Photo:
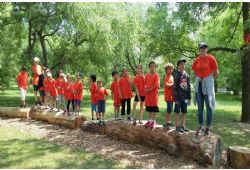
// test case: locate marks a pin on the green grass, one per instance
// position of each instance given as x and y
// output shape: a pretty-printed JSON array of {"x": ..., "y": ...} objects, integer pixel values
[
  {"x": 20, "y": 150},
  {"x": 225, "y": 117}
]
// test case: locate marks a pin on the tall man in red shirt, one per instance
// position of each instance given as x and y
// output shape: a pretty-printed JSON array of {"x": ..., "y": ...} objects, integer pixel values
[
  {"x": 22, "y": 82},
  {"x": 152, "y": 82},
  {"x": 37, "y": 71}
]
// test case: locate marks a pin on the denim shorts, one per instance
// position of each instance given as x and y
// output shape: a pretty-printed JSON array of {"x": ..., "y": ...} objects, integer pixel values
[
  {"x": 181, "y": 107},
  {"x": 169, "y": 107},
  {"x": 77, "y": 102},
  {"x": 93, "y": 107},
  {"x": 101, "y": 106}
]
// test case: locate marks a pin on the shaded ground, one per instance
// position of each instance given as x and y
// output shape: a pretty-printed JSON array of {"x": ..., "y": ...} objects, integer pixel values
[{"x": 123, "y": 153}]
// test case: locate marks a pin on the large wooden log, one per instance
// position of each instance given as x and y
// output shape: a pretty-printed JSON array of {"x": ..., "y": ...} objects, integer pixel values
[
  {"x": 203, "y": 149},
  {"x": 238, "y": 157},
  {"x": 14, "y": 112},
  {"x": 57, "y": 118}
]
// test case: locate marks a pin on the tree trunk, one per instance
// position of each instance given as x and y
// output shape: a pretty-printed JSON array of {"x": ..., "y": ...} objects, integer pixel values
[
  {"x": 203, "y": 149},
  {"x": 238, "y": 157},
  {"x": 14, "y": 112},
  {"x": 44, "y": 49},
  {"x": 245, "y": 60}
]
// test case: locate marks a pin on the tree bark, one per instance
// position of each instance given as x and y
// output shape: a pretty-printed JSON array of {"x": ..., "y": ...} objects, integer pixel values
[
  {"x": 238, "y": 157},
  {"x": 44, "y": 49},
  {"x": 14, "y": 112},
  {"x": 203, "y": 149},
  {"x": 245, "y": 60}
]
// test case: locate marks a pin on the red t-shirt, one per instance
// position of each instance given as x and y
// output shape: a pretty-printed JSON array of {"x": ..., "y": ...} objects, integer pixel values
[
  {"x": 124, "y": 85},
  {"x": 45, "y": 84},
  {"x": 114, "y": 87},
  {"x": 152, "y": 80},
  {"x": 59, "y": 86},
  {"x": 52, "y": 87},
  {"x": 78, "y": 88},
  {"x": 204, "y": 66},
  {"x": 101, "y": 93},
  {"x": 37, "y": 70},
  {"x": 22, "y": 79},
  {"x": 168, "y": 91},
  {"x": 93, "y": 88},
  {"x": 139, "y": 82},
  {"x": 69, "y": 91}
]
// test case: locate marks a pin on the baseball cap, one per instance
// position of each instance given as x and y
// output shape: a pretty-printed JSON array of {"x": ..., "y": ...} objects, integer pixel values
[
  {"x": 180, "y": 61},
  {"x": 36, "y": 59},
  {"x": 49, "y": 74},
  {"x": 203, "y": 45}
]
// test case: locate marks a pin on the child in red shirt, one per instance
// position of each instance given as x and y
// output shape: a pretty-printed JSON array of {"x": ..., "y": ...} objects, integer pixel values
[
  {"x": 52, "y": 90},
  {"x": 92, "y": 89},
  {"x": 46, "y": 89},
  {"x": 22, "y": 82},
  {"x": 69, "y": 93},
  {"x": 37, "y": 71},
  {"x": 152, "y": 82},
  {"x": 101, "y": 97},
  {"x": 60, "y": 89},
  {"x": 139, "y": 83},
  {"x": 78, "y": 89},
  {"x": 114, "y": 87},
  {"x": 168, "y": 93},
  {"x": 125, "y": 92}
]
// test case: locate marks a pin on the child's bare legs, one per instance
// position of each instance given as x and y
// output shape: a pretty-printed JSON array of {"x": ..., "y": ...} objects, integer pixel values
[
  {"x": 153, "y": 116},
  {"x": 134, "y": 109},
  {"x": 177, "y": 119},
  {"x": 141, "y": 109},
  {"x": 168, "y": 118},
  {"x": 183, "y": 119}
]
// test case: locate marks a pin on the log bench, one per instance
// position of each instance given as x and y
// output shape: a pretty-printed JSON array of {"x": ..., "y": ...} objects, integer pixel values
[
  {"x": 56, "y": 118},
  {"x": 203, "y": 149}
]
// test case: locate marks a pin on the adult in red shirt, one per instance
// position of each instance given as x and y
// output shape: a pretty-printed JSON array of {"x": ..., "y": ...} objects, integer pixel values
[
  {"x": 114, "y": 87},
  {"x": 22, "y": 82},
  {"x": 101, "y": 97},
  {"x": 125, "y": 92},
  {"x": 139, "y": 84},
  {"x": 92, "y": 89},
  {"x": 78, "y": 90},
  {"x": 152, "y": 83},
  {"x": 205, "y": 68},
  {"x": 37, "y": 71}
]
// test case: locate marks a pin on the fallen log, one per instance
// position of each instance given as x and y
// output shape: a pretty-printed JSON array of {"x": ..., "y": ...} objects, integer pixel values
[
  {"x": 203, "y": 149},
  {"x": 238, "y": 157},
  {"x": 57, "y": 118},
  {"x": 14, "y": 112}
]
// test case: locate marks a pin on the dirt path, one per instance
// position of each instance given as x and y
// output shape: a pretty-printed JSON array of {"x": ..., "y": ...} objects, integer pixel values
[{"x": 135, "y": 155}]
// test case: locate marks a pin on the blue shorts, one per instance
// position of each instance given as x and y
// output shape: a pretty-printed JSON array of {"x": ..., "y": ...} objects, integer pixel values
[
  {"x": 169, "y": 107},
  {"x": 101, "y": 106},
  {"x": 93, "y": 107},
  {"x": 181, "y": 107},
  {"x": 77, "y": 102}
]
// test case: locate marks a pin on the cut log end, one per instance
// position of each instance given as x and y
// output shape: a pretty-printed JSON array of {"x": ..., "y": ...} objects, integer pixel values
[{"x": 238, "y": 157}]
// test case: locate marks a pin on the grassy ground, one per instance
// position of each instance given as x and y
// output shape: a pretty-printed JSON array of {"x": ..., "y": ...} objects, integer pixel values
[
  {"x": 22, "y": 151},
  {"x": 225, "y": 117}
]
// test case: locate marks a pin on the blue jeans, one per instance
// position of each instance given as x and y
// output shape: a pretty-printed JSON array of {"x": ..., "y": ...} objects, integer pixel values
[{"x": 201, "y": 98}]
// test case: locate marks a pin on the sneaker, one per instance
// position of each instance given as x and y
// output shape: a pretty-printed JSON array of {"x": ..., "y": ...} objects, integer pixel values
[
  {"x": 170, "y": 124},
  {"x": 179, "y": 129},
  {"x": 147, "y": 124},
  {"x": 99, "y": 123},
  {"x": 152, "y": 124},
  {"x": 21, "y": 105},
  {"x": 166, "y": 126},
  {"x": 140, "y": 121},
  {"x": 25, "y": 106},
  {"x": 134, "y": 122},
  {"x": 103, "y": 123},
  {"x": 129, "y": 118},
  {"x": 93, "y": 118},
  {"x": 185, "y": 129},
  {"x": 207, "y": 131},
  {"x": 199, "y": 131}
]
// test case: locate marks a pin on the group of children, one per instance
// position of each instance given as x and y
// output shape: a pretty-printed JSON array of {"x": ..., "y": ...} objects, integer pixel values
[{"x": 55, "y": 92}]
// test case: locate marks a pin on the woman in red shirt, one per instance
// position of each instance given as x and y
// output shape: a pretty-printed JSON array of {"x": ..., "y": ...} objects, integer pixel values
[{"x": 205, "y": 68}]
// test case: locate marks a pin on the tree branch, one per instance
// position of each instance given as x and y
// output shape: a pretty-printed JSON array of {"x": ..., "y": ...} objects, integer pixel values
[
  {"x": 236, "y": 25},
  {"x": 231, "y": 50},
  {"x": 53, "y": 32}
]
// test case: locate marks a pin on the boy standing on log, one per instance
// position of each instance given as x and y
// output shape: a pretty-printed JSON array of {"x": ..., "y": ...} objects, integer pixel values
[
  {"x": 168, "y": 93},
  {"x": 69, "y": 93},
  {"x": 101, "y": 96},
  {"x": 60, "y": 90},
  {"x": 92, "y": 89},
  {"x": 125, "y": 92},
  {"x": 139, "y": 84},
  {"x": 78, "y": 89},
  {"x": 114, "y": 87},
  {"x": 182, "y": 96},
  {"x": 52, "y": 91},
  {"x": 22, "y": 82},
  {"x": 152, "y": 84},
  {"x": 41, "y": 86},
  {"x": 47, "y": 96}
]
